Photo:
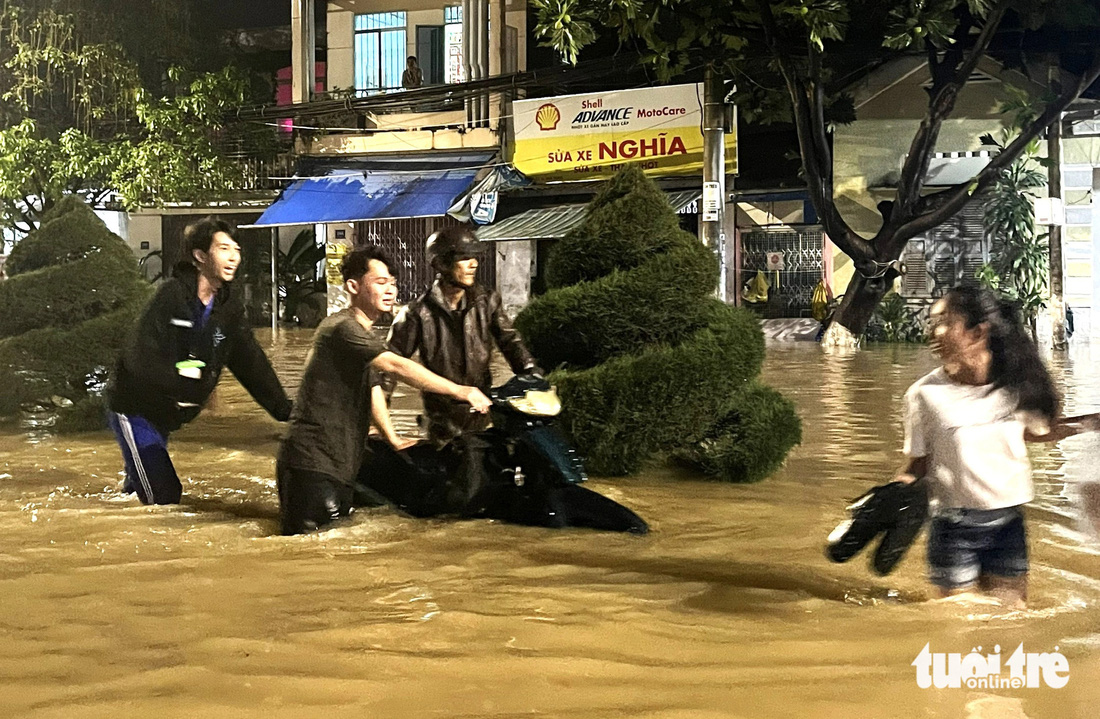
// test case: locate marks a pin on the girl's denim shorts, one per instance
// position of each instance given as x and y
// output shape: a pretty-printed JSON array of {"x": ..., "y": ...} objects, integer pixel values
[{"x": 964, "y": 544}]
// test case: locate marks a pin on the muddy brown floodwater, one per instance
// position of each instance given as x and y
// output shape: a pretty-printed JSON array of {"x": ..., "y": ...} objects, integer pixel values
[{"x": 727, "y": 609}]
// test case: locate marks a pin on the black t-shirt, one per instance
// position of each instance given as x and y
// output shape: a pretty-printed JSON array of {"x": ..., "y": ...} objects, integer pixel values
[{"x": 331, "y": 416}]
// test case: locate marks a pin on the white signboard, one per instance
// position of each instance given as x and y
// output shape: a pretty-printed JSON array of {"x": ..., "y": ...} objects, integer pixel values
[
  {"x": 456, "y": 70},
  {"x": 775, "y": 261},
  {"x": 483, "y": 207},
  {"x": 1049, "y": 211},
  {"x": 588, "y": 136},
  {"x": 712, "y": 199}
]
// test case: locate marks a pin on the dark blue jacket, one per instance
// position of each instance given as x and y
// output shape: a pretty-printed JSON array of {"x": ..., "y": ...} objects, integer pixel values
[{"x": 146, "y": 382}]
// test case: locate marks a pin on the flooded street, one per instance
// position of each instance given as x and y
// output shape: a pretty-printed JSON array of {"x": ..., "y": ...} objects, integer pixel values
[{"x": 727, "y": 609}]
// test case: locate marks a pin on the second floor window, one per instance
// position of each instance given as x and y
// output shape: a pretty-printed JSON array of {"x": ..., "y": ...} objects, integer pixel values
[{"x": 380, "y": 47}]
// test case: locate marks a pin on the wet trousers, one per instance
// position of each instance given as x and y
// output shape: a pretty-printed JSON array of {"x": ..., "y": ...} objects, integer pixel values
[
  {"x": 149, "y": 470},
  {"x": 309, "y": 501}
]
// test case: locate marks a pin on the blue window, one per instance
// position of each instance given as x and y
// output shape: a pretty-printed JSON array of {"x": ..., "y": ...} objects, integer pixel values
[{"x": 380, "y": 46}]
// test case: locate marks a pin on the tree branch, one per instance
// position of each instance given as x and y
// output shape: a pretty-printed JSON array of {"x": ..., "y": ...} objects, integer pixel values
[
  {"x": 957, "y": 196},
  {"x": 816, "y": 98},
  {"x": 28, "y": 219},
  {"x": 771, "y": 37},
  {"x": 816, "y": 159},
  {"x": 952, "y": 56},
  {"x": 971, "y": 60},
  {"x": 934, "y": 64},
  {"x": 940, "y": 104}
]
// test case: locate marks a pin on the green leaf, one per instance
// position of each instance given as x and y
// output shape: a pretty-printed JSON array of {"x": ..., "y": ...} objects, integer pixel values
[{"x": 978, "y": 8}]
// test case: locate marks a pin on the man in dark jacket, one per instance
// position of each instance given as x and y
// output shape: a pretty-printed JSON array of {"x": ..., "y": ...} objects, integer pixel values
[
  {"x": 454, "y": 327},
  {"x": 192, "y": 328}
]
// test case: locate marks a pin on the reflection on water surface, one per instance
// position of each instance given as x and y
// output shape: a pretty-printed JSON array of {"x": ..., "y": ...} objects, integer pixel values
[{"x": 728, "y": 608}]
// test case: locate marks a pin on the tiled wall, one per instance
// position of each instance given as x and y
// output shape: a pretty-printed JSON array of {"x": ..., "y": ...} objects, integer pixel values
[{"x": 1081, "y": 233}]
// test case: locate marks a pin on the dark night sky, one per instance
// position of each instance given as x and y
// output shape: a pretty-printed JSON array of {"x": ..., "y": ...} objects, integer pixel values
[{"x": 256, "y": 13}]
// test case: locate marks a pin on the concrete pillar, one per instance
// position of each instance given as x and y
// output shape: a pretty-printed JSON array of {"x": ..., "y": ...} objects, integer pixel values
[
  {"x": 515, "y": 265},
  {"x": 340, "y": 66},
  {"x": 303, "y": 50},
  {"x": 483, "y": 60},
  {"x": 467, "y": 57},
  {"x": 1094, "y": 311}
]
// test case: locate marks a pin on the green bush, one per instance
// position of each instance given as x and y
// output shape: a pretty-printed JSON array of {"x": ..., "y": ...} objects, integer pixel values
[
  {"x": 87, "y": 415},
  {"x": 632, "y": 406},
  {"x": 66, "y": 204},
  {"x": 73, "y": 298},
  {"x": 648, "y": 362},
  {"x": 18, "y": 389},
  {"x": 66, "y": 353},
  {"x": 603, "y": 243},
  {"x": 68, "y": 294},
  {"x": 64, "y": 238},
  {"x": 588, "y": 323},
  {"x": 43, "y": 363},
  {"x": 894, "y": 321},
  {"x": 750, "y": 440}
]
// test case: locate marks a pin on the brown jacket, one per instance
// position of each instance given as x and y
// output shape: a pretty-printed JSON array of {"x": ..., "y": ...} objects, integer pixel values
[{"x": 457, "y": 344}]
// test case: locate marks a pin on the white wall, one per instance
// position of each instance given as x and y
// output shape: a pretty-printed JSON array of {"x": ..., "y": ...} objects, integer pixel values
[
  {"x": 875, "y": 149},
  {"x": 420, "y": 17},
  {"x": 134, "y": 229},
  {"x": 1081, "y": 235},
  {"x": 517, "y": 18},
  {"x": 868, "y": 155},
  {"x": 778, "y": 212},
  {"x": 341, "y": 31},
  {"x": 340, "y": 67}
]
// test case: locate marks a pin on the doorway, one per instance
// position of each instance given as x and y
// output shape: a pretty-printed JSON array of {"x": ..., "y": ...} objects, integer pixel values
[{"x": 429, "y": 53}]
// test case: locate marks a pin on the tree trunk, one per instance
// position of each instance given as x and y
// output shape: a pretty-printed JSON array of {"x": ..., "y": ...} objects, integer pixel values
[
  {"x": 859, "y": 303},
  {"x": 1054, "y": 185}
]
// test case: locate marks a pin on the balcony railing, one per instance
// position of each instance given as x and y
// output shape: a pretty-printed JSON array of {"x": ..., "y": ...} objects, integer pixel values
[
  {"x": 441, "y": 100},
  {"x": 264, "y": 157}
]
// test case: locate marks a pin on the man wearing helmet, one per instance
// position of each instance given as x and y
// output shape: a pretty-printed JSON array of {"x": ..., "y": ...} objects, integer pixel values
[{"x": 454, "y": 327}]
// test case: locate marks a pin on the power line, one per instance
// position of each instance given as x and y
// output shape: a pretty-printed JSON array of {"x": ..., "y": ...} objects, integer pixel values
[{"x": 528, "y": 80}]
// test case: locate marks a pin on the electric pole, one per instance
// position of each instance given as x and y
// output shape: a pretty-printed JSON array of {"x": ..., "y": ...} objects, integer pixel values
[{"x": 712, "y": 209}]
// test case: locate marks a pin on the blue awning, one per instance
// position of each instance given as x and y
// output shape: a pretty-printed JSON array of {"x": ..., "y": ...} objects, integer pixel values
[{"x": 352, "y": 195}]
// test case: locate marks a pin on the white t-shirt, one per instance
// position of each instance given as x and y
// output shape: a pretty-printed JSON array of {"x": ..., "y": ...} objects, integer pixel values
[{"x": 973, "y": 437}]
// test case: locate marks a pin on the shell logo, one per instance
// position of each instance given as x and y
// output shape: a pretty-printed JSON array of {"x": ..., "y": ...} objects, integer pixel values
[{"x": 547, "y": 117}]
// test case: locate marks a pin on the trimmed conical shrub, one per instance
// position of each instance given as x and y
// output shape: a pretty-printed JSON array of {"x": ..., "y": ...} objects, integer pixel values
[
  {"x": 73, "y": 296},
  {"x": 646, "y": 360}
]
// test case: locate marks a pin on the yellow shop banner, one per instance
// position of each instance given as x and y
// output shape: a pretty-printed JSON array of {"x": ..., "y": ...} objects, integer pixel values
[{"x": 589, "y": 136}]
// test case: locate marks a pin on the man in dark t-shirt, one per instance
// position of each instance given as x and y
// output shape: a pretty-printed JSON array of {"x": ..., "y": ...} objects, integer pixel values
[{"x": 321, "y": 454}]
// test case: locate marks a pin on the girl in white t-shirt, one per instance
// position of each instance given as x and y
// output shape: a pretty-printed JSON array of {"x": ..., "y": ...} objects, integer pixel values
[{"x": 966, "y": 425}]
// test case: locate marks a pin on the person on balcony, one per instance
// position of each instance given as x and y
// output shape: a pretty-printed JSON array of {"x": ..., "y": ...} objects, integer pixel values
[{"x": 413, "y": 77}]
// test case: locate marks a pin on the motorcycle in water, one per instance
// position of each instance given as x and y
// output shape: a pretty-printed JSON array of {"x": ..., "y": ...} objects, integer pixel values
[{"x": 528, "y": 473}]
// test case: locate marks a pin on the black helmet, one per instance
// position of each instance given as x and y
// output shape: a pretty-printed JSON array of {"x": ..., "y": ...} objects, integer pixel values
[{"x": 447, "y": 246}]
